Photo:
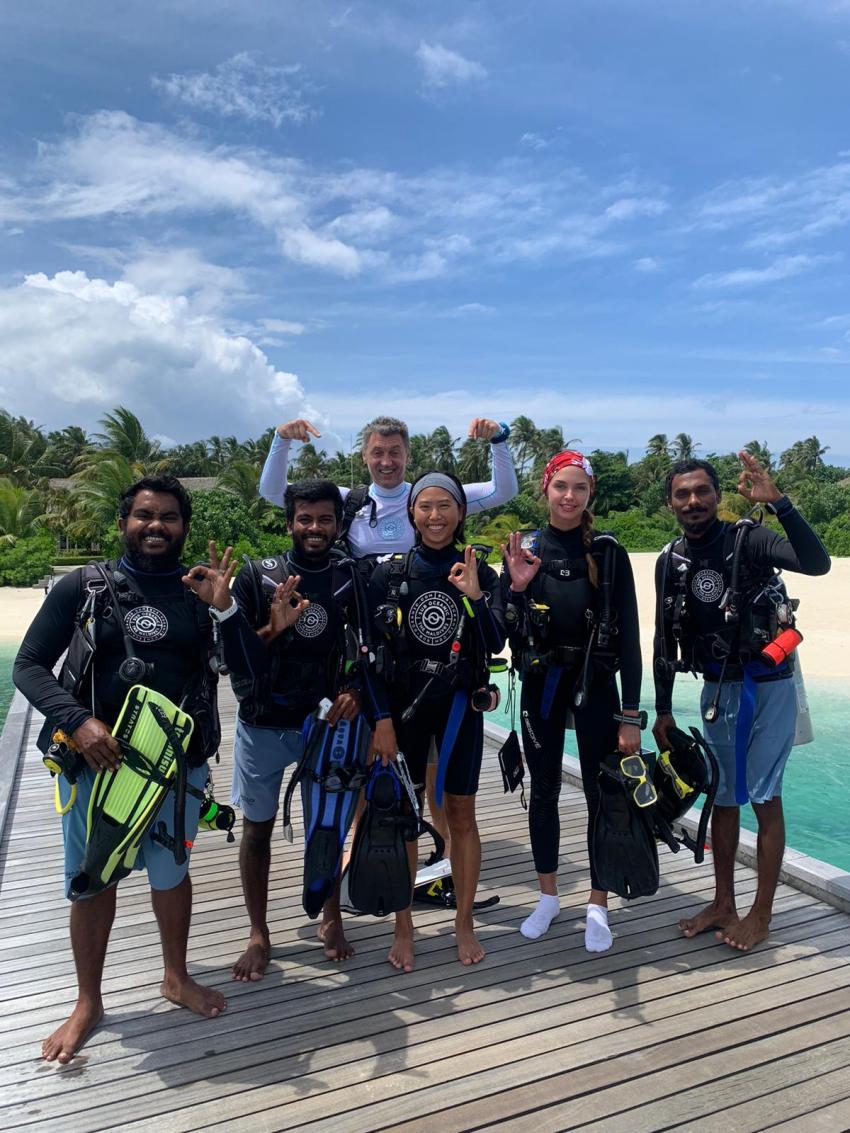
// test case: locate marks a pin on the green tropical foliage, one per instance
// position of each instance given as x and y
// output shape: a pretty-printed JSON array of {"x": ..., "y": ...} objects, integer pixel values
[{"x": 78, "y": 518}]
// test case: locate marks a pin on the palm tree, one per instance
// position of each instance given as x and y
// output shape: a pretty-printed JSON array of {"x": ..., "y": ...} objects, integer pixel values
[
  {"x": 523, "y": 442},
  {"x": 94, "y": 494},
  {"x": 124, "y": 436},
  {"x": 23, "y": 452},
  {"x": 761, "y": 452},
  {"x": 804, "y": 457},
  {"x": 684, "y": 447},
  {"x": 658, "y": 445},
  {"x": 20, "y": 513},
  {"x": 242, "y": 480},
  {"x": 441, "y": 446},
  {"x": 66, "y": 447},
  {"x": 473, "y": 461},
  {"x": 309, "y": 464}
]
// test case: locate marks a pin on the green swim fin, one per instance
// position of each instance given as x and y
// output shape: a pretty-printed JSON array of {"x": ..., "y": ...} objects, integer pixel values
[
  {"x": 154, "y": 734},
  {"x": 625, "y": 856}
]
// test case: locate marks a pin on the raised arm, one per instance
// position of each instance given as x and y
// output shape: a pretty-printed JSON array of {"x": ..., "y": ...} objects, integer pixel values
[
  {"x": 503, "y": 486},
  {"x": 273, "y": 477}
]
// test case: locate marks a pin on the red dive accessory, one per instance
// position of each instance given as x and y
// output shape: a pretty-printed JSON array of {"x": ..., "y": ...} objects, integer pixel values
[
  {"x": 781, "y": 648},
  {"x": 568, "y": 458}
]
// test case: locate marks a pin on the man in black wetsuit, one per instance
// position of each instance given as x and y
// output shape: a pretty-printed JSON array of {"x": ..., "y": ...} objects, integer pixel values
[
  {"x": 171, "y": 632},
  {"x": 749, "y": 708},
  {"x": 284, "y": 634}
]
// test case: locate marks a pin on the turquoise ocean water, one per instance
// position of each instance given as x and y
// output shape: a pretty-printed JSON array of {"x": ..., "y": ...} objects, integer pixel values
[
  {"x": 817, "y": 779},
  {"x": 816, "y": 786}
]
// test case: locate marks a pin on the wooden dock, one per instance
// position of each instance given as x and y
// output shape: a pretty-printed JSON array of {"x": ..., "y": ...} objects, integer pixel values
[{"x": 658, "y": 1033}]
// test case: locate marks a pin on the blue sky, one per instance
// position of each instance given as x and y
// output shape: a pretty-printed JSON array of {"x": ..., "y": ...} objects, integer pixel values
[{"x": 622, "y": 218}]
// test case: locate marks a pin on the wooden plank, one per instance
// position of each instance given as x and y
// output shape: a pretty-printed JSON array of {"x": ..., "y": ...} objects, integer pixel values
[{"x": 368, "y": 1048}]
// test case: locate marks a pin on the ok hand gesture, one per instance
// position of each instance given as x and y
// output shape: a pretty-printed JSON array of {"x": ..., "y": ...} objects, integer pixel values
[
  {"x": 464, "y": 575},
  {"x": 522, "y": 564},
  {"x": 212, "y": 583},
  {"x": 755, "y": 483},
  {"x": 287, "y": 606}
]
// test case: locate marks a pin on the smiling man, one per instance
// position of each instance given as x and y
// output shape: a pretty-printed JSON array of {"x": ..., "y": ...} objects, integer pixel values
[
  {"x": 287, "y": 633},
  {"x": 381, "y": 525},
  {"x": 718, "y": 605},
  {"x": 170, "y": 632}
]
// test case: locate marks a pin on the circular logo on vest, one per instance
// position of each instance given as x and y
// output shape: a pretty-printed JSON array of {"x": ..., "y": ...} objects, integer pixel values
[
  {"x": 312, "y": 622},
  {"x": 433, "y": 618},
  {"x": 390, "y": 528},
  {"x": 146, "y": 623},
  {"x": 269, "y": 564},
  {"x": 707, "y": 585}
]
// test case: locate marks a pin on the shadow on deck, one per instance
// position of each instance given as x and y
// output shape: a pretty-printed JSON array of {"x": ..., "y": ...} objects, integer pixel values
[{"x": 658, "y": 1033}]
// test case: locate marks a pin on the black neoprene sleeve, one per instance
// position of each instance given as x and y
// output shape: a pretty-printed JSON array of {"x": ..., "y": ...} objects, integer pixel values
[{"x": 44, "y": 643}]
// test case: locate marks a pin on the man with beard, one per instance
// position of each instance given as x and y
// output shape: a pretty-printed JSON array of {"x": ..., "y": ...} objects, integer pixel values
[
  {"x": 713, "y": 618},
  {"x": 171, "y": 634},
  {"x": 284, "y": 631}
]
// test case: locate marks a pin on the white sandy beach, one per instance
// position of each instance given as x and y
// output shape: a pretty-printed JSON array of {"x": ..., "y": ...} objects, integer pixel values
[{"x": 824, "y": 615}]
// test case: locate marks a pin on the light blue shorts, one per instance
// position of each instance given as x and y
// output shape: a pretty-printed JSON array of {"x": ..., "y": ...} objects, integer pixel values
[
  {"x": 771, "y": 738},
  {"x": 260, "y": 757},
  {"x": 163, "y": 871}
]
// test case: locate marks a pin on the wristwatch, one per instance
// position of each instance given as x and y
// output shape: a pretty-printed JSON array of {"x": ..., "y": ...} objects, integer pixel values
[{"x": 502, "y": 435}]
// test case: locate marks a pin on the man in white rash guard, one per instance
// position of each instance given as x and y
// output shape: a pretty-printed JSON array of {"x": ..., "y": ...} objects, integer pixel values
[
  {"x": 386, "y": 528},
  {"x": 386, "y": 449}
]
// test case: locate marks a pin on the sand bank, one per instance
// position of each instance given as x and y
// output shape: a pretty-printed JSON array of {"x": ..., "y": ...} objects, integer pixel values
[{"x": 824, "y": 615}]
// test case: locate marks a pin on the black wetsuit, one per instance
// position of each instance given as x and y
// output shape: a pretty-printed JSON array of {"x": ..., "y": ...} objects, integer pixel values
[
  {"x": 570, "y": 596},
  {"x": 708, "y": 577},
  {"x": 304, "y": 664},
  {"x": 431, "y": 613},
  {"x": 169, "y": 629}
]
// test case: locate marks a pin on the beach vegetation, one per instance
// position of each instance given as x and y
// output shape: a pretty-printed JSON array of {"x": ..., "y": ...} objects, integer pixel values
[{"x": 66, "y": 482}]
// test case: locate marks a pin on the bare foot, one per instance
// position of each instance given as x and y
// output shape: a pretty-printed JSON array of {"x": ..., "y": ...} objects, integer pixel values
[
  {"x": 66, "y": 1040},
  {"x": 251, "y": 965},
  {"x": 746, "y": 933},
  {"x": 712, "y": 916},
  {"x": 469, "y": 950},
  {"x": 202, "y": 1000},
  {"x": 332, "y": 935},
  {"x": 401, "y": 954}
]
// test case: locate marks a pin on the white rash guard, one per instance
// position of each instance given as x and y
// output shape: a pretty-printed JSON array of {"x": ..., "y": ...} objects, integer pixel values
[{"x": 393, "y": 531}]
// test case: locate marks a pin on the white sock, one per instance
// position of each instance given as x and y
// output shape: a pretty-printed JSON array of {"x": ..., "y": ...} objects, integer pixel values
[
  {"x": 538, "y": 923},
  {"x": 597, "y": 934}
]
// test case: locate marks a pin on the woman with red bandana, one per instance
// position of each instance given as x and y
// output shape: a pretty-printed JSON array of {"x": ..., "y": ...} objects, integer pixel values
[{"x": 553, "y": 584}]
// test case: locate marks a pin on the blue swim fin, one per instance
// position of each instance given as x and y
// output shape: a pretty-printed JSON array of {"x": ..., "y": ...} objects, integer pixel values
[{"x": 331, "y": 772}]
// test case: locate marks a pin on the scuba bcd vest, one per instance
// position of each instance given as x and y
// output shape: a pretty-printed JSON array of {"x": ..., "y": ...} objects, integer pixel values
[
  {"x": 467, "y": 665},
  {"x": 530, "y": 625},
  {"x": 755, "y": 605},
  {"x": 106, "y": 591},
  {"x": 256, "y": 694},
  {"x": 354, "y": 503}
]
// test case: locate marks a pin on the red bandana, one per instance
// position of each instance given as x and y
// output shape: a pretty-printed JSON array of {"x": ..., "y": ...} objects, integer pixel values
[{"x": 567, "y": 458}]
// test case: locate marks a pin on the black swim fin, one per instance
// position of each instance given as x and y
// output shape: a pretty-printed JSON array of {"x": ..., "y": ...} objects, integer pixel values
[
  {"x": 379, "y": 879},
  {"x": 625, "y": 856}
]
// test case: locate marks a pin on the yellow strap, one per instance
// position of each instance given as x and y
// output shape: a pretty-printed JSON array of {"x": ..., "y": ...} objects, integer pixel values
[{"x": 57, "y": 798}]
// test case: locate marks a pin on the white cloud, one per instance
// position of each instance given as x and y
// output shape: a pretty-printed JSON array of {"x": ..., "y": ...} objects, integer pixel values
[
  {"x": 347, "y": 221},
  {"x": 783, "y": 268},
  {"x": 473, "y": 309},
  {"x": 442, "y": 67},
  {"x": 534, "y": 141},
  {"x": 647, "y": 265},
  {"x": 246, "y": 88},
  {"x": 112, "y": 343},
  {"x": 282, "y": 326}
]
